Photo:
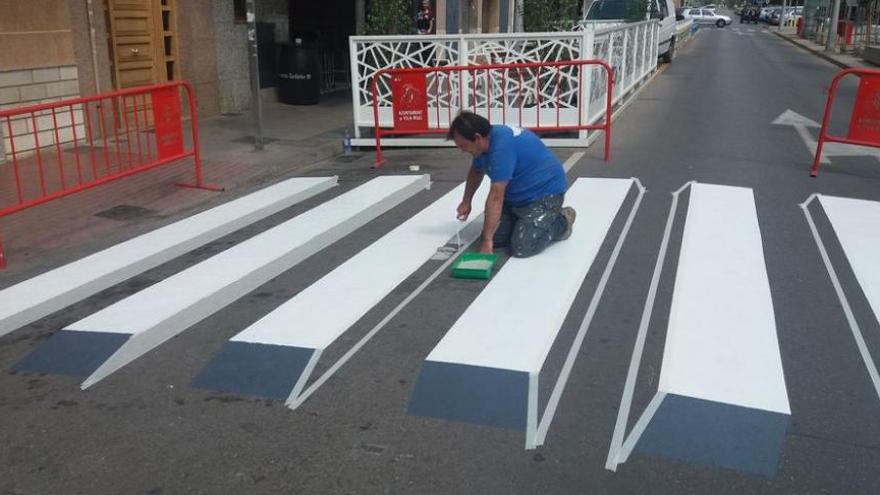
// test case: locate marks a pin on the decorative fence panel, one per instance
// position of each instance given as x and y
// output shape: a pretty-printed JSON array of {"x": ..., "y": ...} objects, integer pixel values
[{"x": 626, "y": 47}]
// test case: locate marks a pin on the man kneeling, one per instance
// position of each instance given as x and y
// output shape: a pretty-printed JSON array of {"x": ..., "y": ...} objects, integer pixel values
[{"x": 524, "y": 210}]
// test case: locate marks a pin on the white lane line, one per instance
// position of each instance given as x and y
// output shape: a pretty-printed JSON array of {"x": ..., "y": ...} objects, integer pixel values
[
  {"x": 559, "y": 388},
  {"x": 469, "y": 235},
  {"x": 847, "y": 310},
  {"x": 630, "y": 385},
  {"x": 574, "y": 158},
  {"x": 639, "y": 428}
]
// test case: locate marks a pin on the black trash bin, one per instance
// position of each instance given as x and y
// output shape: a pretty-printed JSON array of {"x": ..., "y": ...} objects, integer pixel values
[{"x": 299, "y": 73}]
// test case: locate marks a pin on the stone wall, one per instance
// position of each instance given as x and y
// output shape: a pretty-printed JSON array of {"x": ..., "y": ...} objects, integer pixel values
[
  {"x": 232, "y": 59},
  {"x": 25, "y": 87},
  {"x": 37, "y": 65},
  {"x": 198, "y": 52}
]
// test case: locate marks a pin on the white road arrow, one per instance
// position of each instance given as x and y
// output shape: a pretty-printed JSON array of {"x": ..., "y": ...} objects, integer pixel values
[{"x": 802, "y": 124}]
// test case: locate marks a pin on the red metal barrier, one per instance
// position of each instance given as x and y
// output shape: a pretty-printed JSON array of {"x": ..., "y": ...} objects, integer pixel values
[
  {"x": 410, "y": 96},
  {"x": 94, "y": 140},
  {"x": 864, "y": 124}
]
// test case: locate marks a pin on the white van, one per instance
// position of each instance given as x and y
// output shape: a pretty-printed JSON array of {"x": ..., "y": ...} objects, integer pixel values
[{"x": 662, "y": 10}]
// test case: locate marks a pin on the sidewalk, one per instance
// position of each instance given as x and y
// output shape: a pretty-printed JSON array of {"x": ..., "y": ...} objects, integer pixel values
[
  {"x": 842, "y": 60},
  {"x": 63, "y": 230}
]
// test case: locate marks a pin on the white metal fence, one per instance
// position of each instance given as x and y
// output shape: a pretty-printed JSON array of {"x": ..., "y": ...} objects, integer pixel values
[{"x": 631, "y": 49}]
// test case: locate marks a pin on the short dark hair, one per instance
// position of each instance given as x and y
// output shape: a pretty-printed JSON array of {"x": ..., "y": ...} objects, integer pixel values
[{"x": 468, "y": 125}]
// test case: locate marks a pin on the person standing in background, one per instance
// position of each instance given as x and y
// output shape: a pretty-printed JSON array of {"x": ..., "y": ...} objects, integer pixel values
[{"x": 425, "y": 18}]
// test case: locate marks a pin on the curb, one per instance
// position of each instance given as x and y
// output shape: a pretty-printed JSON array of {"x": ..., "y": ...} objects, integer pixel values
[{"x": 822, "y": 55}]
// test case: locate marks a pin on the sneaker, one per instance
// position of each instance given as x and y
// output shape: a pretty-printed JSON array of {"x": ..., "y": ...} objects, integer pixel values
[{"x": 569, "y": 214}]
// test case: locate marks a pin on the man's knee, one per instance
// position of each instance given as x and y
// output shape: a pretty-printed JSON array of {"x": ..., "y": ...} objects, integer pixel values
[{"x": 521, "y": 248}]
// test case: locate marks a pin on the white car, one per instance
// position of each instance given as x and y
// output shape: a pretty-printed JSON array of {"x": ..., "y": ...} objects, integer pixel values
[
  {"x": 662, "y": 10},
  {"x": 706, "y": 16}
]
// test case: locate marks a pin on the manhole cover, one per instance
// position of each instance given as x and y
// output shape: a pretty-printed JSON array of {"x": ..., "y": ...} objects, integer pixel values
[{"x": 125, "y": 212}]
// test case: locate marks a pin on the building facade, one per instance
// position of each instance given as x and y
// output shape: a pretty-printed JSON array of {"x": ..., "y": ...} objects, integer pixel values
[{"x": 55, "y": 49}]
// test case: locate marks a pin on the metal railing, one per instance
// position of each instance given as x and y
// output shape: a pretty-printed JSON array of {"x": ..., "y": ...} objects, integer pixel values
[
  {"x": 443, "y": 89},
  {"x": 630, "y": 49},
  {"x": 61, "y": 148}
]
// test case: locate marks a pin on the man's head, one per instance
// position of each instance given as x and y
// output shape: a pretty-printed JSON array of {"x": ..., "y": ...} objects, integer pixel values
[{"x": 470, "y": 133}]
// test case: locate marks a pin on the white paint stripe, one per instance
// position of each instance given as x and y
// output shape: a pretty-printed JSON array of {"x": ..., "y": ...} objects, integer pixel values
[
  {"x": 172, "y": 305},
  {"x": 639, "y": 428},
  {"x": 314, "y": 318},
  {"x": 46, "y": 293},
  {"x": 532, "y": 413},
  {"x": 847, "y": 310},
  {"x": 721, "y": 342},
  {"x": 304, "y": 377},
  {"x": 509, "y": 327},
  {"x": 638, "y": 349},
  {"x": 574, "y": 158},
  {"x": 559, "y": 388},
  {"x": 469, "y": 235}
]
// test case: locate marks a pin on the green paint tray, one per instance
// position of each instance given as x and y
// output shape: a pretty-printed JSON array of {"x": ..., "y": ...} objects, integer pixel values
[{"x": 474, "y": 265}]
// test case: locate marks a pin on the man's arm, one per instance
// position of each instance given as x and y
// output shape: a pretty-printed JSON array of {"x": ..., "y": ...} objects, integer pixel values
[
  {"x": 494, "y": 204},
  {"x": 474, "y": 178}
]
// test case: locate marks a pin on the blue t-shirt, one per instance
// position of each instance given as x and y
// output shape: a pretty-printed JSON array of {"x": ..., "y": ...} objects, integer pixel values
[{"x": 518, "y": 157}]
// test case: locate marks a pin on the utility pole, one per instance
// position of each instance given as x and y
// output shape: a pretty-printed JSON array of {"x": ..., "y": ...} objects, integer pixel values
[
  {"x": 256, "y": 103},
  {"x": 782, "y": 15},
  {"x": 831, "y": 42}
]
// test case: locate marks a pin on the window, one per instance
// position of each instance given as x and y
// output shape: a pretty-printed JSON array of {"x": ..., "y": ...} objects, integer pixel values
[{"x": 664, "y": 10}]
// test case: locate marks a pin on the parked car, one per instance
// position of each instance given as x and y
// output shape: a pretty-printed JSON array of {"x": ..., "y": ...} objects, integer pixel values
[
  {"x": 662, "y": 10},
  {"x": 766, "y": 12},
  {"x": 680, "y": 15},
  {"x": 749, "y": 15},
  {"x": 706, "y": 16},
  {"x": 790, "y": 15}
]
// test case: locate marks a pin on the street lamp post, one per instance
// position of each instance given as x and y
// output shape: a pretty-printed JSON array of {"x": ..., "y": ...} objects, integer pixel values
[{"x": 254, "y": 65}]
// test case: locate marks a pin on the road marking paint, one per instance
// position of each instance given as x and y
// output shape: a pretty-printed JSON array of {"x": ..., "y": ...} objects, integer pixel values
[
  {"x": 852, "y": 242},
  {"x": 144, "y": 320},
  {"x": 44, "y": 294}
]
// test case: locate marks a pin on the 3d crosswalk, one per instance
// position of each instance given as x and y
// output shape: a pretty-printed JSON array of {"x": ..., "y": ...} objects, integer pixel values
[
  {"x": 39, "y": 296},
  {"x": 856, "y": 225},
  {"x": 721, "y": 397},
  {"x": 485, "y": 370},
  {"x": 122, "y": 332},
  {"x": 274, "y": 356}
]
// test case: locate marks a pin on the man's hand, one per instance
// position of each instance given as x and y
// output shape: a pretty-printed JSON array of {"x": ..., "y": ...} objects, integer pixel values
[
  {"x": 487, "y": 246},
  {"x": 463, "y": 211}
]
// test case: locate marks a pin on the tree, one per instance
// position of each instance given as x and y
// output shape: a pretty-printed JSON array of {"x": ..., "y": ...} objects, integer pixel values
[{"x": 388, "y": 17}]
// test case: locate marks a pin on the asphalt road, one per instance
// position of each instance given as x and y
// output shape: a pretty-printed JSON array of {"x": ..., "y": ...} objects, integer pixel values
[{"x": 706, "y": 117}]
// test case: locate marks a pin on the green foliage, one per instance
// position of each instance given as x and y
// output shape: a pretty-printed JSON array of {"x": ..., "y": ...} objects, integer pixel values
[
  {"x": 388, "y": 17},
  {"x": 547, "y": 15}
]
